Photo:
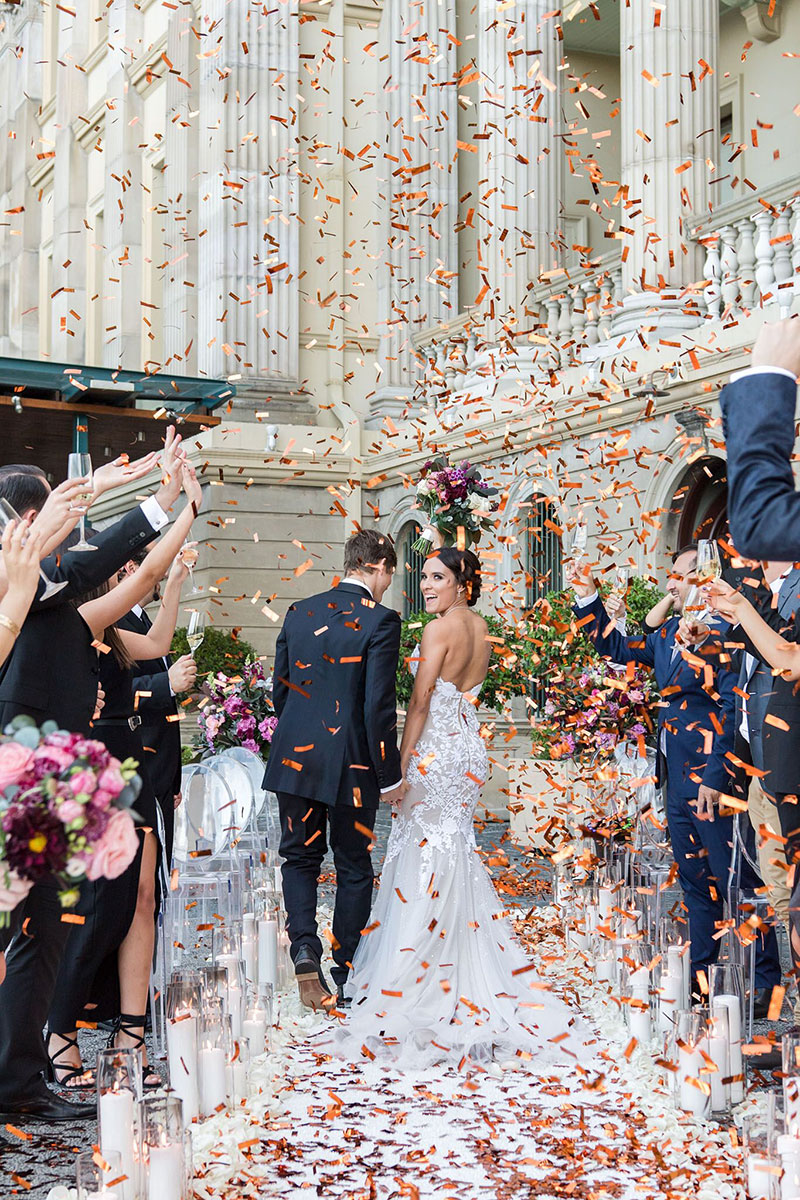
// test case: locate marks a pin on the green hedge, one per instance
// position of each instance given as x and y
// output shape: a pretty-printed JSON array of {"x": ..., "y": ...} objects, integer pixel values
[{"x": 220, "y": 650}]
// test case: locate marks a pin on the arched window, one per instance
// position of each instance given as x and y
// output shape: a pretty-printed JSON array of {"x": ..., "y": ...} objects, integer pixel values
[
  {"x": 699, "y": 506},
  {"x": 542, "y": 548},
  {"x": 409, "y": 568}
]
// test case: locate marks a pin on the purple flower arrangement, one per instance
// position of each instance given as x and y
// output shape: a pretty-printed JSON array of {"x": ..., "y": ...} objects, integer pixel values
[
  {"x": 64, "y": 804},
  {"x": 456, "y": 501},
  {"x": 592, "y": 713},
  {"x": 237, "y": 711}
]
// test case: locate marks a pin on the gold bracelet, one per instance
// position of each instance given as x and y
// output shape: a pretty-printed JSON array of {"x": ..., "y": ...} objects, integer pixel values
[{"x": 11, "y": 626}]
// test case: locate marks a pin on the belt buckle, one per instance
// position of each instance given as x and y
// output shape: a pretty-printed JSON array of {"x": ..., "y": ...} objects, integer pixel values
[{"x": 134, "y": 722}]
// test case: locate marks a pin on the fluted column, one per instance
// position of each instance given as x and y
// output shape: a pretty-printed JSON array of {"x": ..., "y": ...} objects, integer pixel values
[
  {"x": 670, "y": 123},
  {"x": 521, "y": 160},
  {"x": 124, "y": 197},
  {"x": 248, "y": 321},
  {"x": 69, "y": 192},
  {"x": 418, "y": 283},
  {"x": 182, "y": 187}
]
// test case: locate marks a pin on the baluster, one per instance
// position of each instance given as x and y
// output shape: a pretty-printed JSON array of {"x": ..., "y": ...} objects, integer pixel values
[
  {"x": 578, "y": 313},
  {"x": 565, "y": 317},
  {"x": 552, "y": 326},
  {"x": 747, "y": 264},
  {"x": 765, "y": 256},
  {"x": 591, "y": 300},
  {"x": 711, "y": 272},
  {"x": 606, "y": 305},
  {"x": 617, "y": 293},
  {"x": 783, "y": 260},
  {"x": 471, "y": 340},
  {"x": 729, "y": 268},
  {"x": 796, "y": 243}
]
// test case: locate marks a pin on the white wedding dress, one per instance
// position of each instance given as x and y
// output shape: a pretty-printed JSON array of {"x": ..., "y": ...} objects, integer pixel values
[{"x": 438, "y": 976}]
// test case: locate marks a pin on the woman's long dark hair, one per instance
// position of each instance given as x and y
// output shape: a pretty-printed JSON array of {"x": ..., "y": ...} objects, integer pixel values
[{"x": 111, "y": 635}]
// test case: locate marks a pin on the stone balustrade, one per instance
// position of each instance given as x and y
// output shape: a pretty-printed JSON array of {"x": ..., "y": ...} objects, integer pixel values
[{"x": 752, "y": 253}]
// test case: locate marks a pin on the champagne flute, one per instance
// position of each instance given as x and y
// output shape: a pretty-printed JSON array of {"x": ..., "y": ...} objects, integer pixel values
[
  {"x": 708, "y": 566},
  {"x": 188, "y": 557},
  {"x": 196, "y": 630},
  {"x": 622, "y": 577},
  {"x": 80, "y": 465},
  {"x": 7, "y": 514},
  {"x": 695, "y": 609},
  {"x": 580, "y": 538}
]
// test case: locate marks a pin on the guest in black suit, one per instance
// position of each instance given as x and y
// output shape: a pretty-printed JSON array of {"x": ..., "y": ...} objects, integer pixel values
[
  {"x": 334, "y": 753},
  {"x": 52, "y": 674},
  {"x": 758, "y": 418},
  {"x": 157, "y": 682}
]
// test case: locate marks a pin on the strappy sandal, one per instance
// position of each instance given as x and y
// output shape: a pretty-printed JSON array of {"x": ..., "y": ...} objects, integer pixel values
[
  {"x": 130, "y": 1026},
  {"x": 64, "y": 1073}
]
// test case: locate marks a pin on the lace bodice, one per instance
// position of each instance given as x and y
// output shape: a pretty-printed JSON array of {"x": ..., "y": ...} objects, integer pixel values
[{"x": 445, "y": 777}]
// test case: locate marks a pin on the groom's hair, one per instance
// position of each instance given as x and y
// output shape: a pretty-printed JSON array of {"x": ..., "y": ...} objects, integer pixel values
[{"x": 365, "y": 550}]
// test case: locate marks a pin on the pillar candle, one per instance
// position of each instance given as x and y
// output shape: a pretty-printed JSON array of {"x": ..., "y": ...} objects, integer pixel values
[
  {"x": 690, "y": 1063},
  {"x": 604, "y": 969},
  {"x": 762, "y": 1176},
  {"x": 166, "y": 1172},
  {"x": 669, "y": 1001},
  {"x": 268, "y": 951},
  {"x": 789, "y": 1151},
  {"x": 182, "y": 1059},
  {"x": 605, "y": 902},
  {"x": 115, "y": 1116},
  {"x": 249, "y": 956},
  {"x": 791, "y": 1104},
  {"x": 639, "y": 1012},
  {"x": 735, "y": 1055},
  {"x": 254, "y": 1027},
  {"x": 719, "y": 1053},
  {"x": 238, "y": 1081},
  {"x": 212, "y": 1079}
]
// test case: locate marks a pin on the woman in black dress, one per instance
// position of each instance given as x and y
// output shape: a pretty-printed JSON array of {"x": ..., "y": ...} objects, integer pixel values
[{"x": 106, "y": 967}]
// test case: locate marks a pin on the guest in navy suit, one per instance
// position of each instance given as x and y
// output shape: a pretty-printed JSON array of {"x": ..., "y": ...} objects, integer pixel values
[
  {"x": 334, "y": 752},
  {"x": 696, "y": 713},
  {"x": 758, "y": 419}
]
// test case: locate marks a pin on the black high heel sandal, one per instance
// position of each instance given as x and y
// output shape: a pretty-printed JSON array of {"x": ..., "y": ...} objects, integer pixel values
[
  {"x": 130, "y": 1026},
  {"x": 63, "y": 1074}
]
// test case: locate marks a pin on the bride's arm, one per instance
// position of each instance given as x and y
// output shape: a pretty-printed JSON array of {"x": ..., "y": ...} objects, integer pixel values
[{"x": 431, "y": 652}]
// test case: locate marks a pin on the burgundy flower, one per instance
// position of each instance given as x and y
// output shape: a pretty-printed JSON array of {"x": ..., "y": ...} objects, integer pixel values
[{"x": 36, "y": 844}]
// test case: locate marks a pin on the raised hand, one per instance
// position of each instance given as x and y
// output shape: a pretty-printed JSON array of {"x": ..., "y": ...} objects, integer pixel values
[
  {"x": 120, "y": 471},
  {"x": 183, "y": 674},
  {"x": 173, "y": 457},
  {"x": 191, "y": 486},
  {"x": 60, "y": 512},
  {"x": 22, "y": 548},
  {"x": 724, "y": 599},
  {"x": 578, "y": 575},
  {"x": 778, "y": 345}
]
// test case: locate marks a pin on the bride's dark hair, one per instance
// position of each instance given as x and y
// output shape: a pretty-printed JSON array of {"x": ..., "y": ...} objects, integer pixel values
[{"x": 466, "y": 567}]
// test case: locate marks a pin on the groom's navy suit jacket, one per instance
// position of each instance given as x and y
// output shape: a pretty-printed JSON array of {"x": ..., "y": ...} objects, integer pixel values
[
  {"x": 334, "y": 695},
  {"x": 763, "y": 506},
  {"x": 694, "y": 746}
]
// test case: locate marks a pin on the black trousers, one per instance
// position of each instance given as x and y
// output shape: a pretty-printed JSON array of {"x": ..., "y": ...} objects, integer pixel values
[
  {"x": 33, "y": 960},
  {"x": 306, "y": 826}
]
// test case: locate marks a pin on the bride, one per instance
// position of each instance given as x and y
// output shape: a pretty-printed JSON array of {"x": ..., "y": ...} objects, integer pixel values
[{"x": 438, "y": 975}]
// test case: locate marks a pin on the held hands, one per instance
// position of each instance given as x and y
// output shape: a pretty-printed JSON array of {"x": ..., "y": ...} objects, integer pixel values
[
  {"x": 22, "y": 547},
  {"x": 396, "y": 795},
  {"x": 183, "y": 674},
  {"x": 578, "y": 574},
  {"x": 778, "y": 345}
]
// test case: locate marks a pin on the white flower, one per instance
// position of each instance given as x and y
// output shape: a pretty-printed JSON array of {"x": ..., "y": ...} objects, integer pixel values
[
  {"x": 75, "y": 868},
  {"x": 475, "y": 501},
  {"x": 424, "y": 488}
]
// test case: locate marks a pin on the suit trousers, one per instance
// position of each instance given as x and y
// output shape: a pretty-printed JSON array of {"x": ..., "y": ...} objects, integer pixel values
[
  {"x": 703, "y": 851},
  {"x": 306, "y": 826},
  {"x": 765, "y": 819},
  {"x": 33, "y": 960}
]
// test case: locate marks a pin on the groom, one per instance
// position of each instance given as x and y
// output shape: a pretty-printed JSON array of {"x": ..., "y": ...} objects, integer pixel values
[{"x": 334, "y": 753}]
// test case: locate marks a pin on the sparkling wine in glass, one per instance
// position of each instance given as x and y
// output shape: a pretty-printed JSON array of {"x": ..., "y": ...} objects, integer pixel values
[
  {"x": 622, "y": 577},
  {"x": 189, "y": 556},
  {"x": 708, "y": 566},
  {"x": 8, "y": 513},
  {"x": 80, "y": 465},
  {"x": 196, "y": 630}
]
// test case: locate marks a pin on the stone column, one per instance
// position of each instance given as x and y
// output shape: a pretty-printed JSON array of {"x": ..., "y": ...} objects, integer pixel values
[
  {"x": 20, "y": 234},
  {"x": 670, "y": 124},
  {"x": 521, "y": 160},
  {"x": 124, "y": 199},
  {"x": 248, "y": 246},
  {"x": 182, "y": 197},
  {"x": 418, "y": 283},
  {"x": 69, "y": 192}
]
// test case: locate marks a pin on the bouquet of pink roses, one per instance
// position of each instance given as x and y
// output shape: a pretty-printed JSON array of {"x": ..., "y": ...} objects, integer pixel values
[
  {"x": 63, "y": 811},
  {"x": 454, "y": 499},
  {"x": 237, "y": 711}
]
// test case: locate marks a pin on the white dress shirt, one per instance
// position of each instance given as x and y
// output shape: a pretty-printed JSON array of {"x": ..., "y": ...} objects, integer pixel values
[{"x": 138, "y": 611}]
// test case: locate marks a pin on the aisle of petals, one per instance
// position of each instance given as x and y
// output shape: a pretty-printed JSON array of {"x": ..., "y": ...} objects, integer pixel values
[{"x": 606, "y": 1128}]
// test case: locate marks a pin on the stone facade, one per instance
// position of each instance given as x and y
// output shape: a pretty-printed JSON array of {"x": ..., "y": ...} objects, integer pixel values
[{"x": 537, "y": 237}]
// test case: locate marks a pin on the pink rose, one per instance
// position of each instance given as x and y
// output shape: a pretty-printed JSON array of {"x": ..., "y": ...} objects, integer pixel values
[
  {"x": 82, "y": 782},
  {"x": 111, "y": 781},
  {"x": 102, "y": 799},
  {"x": 116, "y": 849},
  {"x": 54, "y": 755},
  {"x": 69, "y": 810},
  {"x": 14, "y": 762},
  {"x": 13, "y": 889}
]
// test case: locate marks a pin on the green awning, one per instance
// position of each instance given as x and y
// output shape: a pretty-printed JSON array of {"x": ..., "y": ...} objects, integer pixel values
[{"x": 83, "y": 384}]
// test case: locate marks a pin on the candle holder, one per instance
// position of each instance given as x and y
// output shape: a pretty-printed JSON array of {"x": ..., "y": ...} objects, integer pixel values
[
  {"x": 226, "y": 941},
  {"x": 691, "y": 1038},
  {"x": 183, "y": 1018},
  {"x": 268, "y": 926},
  {"x": 257, "y": 1022},
  {"x": 790, "y": 1054},
  {"x": 163, "y": 1151},
  {"x": 214, "y": 981},
  {"x": 761, "y": 1159},
  {"x": 239, "y": 1071},
  {"x": 99, "y": 1176},
  {"x": 250, "y": 945},
  {"x": 635, "y": 982},
  {"x": 212, "y": 1059},
  {"x": 726, "y": 990},
  {"x": 119, "y": 1091},
  {"x": 719, "y": 1051}
]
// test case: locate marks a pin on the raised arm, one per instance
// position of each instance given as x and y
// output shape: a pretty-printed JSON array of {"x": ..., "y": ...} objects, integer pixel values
[
  {"x": 758, "y": 420},
  {"x": 592, "y": 619},
  {"x": 770, "y": 645},
  {"x": 106, "y": 610},
  {"x": 21, "y": 553},
  {"x": 158, "y": 639}
]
